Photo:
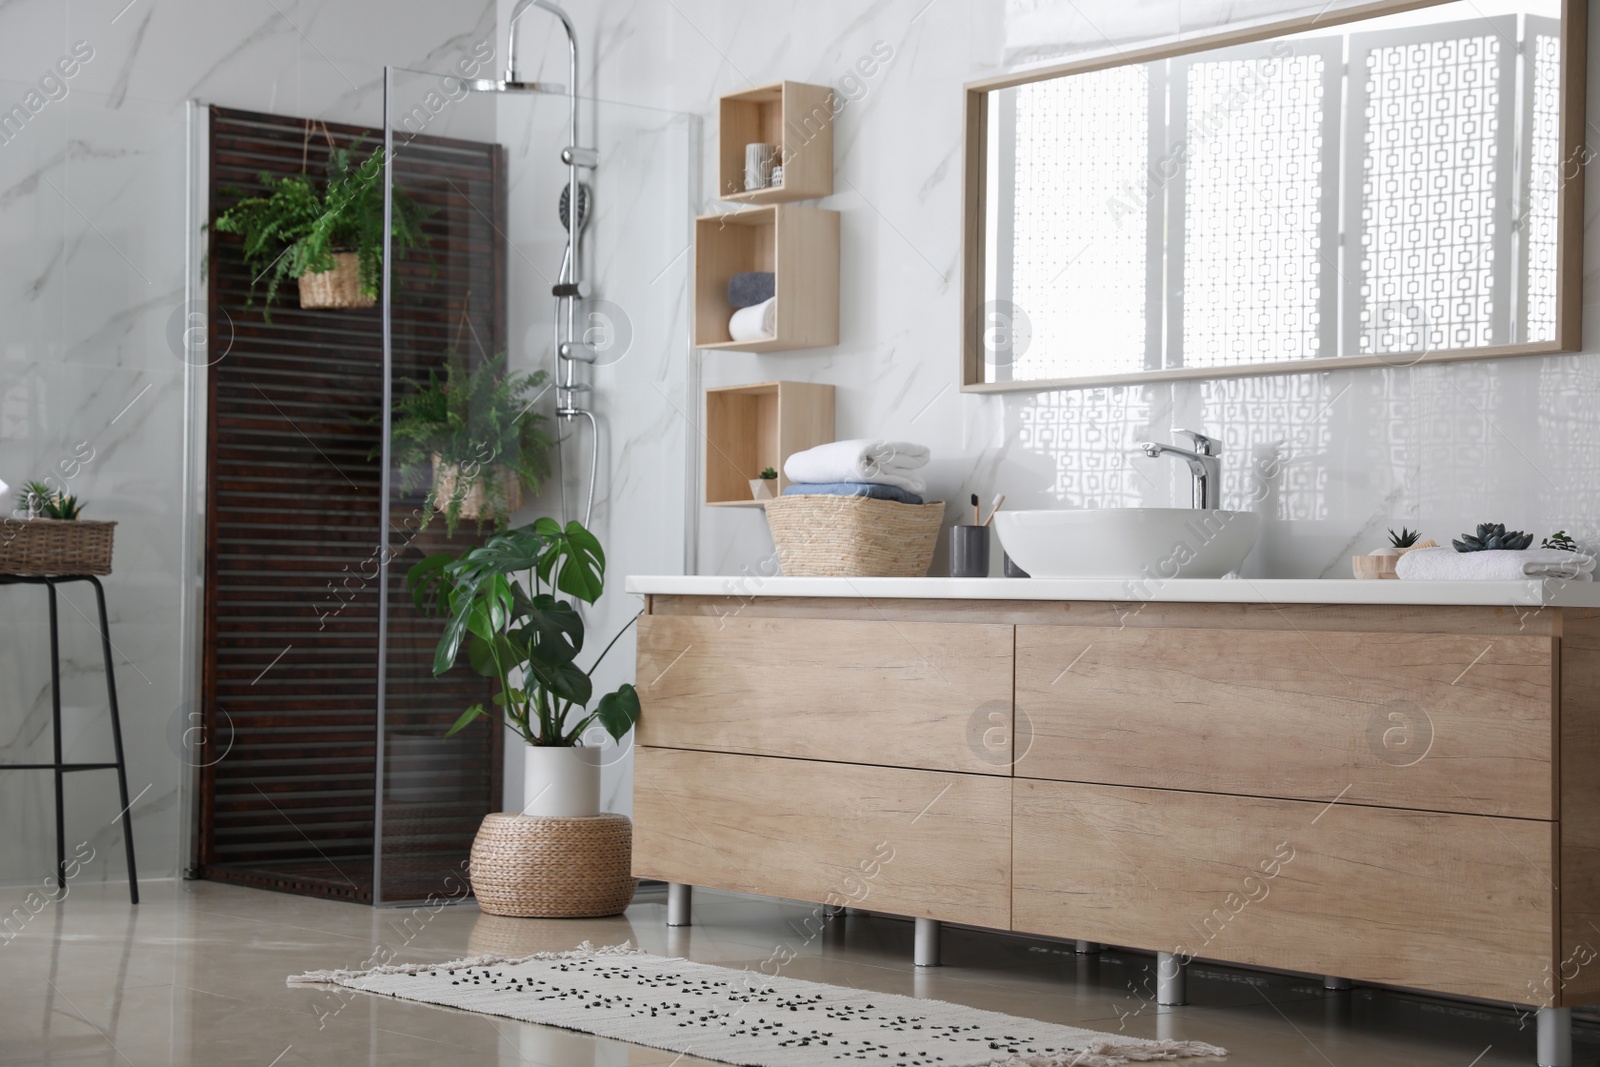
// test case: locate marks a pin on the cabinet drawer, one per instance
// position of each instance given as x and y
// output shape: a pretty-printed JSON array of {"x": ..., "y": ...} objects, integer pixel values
[
  {"x": 919, "y": 843},
  {"x": 1456, "y": 903},
  {"x": 1425, "y": 721},
  {"x": 931, "y": 695}
]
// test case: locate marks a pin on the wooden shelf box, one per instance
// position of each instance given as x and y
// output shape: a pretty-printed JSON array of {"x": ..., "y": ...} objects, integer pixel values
[
  {"x": 751, "y": 427},
  {"x": 798, "y": 244},
  {"x": 796, "y": 117}
]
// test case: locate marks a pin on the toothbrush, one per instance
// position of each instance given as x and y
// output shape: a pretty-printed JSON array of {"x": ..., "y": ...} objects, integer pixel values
[
  {"x": 975, "y": 520},
  {"x": 1001, "y": 499}
]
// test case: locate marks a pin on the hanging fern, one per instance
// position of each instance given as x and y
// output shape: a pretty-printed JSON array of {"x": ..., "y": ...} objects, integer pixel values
[
  {"x": 478, "y": 421},
  {"x": 295, "y": 230}
]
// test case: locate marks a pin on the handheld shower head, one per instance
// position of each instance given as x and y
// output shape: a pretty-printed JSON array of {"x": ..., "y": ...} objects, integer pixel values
[{"x": 566, "y": 209}]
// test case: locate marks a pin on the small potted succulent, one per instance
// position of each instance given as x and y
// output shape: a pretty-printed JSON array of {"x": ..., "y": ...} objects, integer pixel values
[
  {"x": 1560, "y": 541},
  {"x": 765, "y": 487},
  {"x": 1381, "y": 562},
  {"x": 1492, "y": 537}
]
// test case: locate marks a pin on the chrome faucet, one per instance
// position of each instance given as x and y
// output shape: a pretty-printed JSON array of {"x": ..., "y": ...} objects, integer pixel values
[{"x": 1205, "y": 464}]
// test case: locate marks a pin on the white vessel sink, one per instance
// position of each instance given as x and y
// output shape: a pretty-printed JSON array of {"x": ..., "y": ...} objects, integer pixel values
[{"x": 1157, "y": 543}]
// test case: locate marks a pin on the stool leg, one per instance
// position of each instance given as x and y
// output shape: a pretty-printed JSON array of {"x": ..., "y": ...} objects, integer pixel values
[
  {"x": 116, "y": 738},
  {"x": 55, "y": 717}
]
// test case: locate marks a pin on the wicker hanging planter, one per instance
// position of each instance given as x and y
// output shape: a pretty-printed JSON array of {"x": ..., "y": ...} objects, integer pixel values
[
  {"x": 475, "y": 503},
  {"x": 55, "y": 546},
  {"x": 553, "y": 868},
  {"x": 336, "y": 288}
]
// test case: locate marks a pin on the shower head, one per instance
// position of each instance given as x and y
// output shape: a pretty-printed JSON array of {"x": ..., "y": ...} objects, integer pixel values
[
  {"x": 489, "y": 85},
  {"x": 583, "y": 207}
]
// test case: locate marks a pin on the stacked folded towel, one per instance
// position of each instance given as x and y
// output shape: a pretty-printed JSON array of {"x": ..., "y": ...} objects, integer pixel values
[
  {"x": 859, "y": 468},
  {"x": 1441, "y": 564},
  {"x": 753, "y": 295}
]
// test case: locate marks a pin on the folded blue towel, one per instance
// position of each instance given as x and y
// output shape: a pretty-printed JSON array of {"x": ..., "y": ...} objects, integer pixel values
[
  {"x": 872, "y": 489},
  {"x": 751, "y": 288}
]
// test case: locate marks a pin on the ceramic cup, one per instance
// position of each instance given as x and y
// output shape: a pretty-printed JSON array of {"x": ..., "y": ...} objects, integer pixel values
[
  {"x": 969, "y": 551},
  {"x": 758, "y": 161}
]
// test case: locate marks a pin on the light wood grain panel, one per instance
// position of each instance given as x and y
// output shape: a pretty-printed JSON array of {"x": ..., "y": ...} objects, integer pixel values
[
  {"x": 1576, "y": 977},
  {"x": 930, "y": 695},
  {"x": 744, "y": 598},
  {"x": 917, "y": 843},
  {"x": 1427, "y": 721},
  {"x": 1455, "y": 903}
]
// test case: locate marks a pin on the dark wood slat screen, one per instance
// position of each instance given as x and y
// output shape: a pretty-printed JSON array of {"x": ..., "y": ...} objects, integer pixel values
[{"x": 293, "y": 532}]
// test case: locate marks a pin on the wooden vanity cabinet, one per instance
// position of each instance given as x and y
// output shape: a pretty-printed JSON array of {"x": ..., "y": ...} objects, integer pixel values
[{"x": 1399, "y": 795}]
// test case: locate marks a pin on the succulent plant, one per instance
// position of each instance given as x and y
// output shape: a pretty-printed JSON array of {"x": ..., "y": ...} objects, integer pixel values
[
  {"x": 1492, "y": 536},
  {"x": 1559, "y": 540},
  {"x": 768, "y": 474},
  {"x": 1404, "y": 539}
]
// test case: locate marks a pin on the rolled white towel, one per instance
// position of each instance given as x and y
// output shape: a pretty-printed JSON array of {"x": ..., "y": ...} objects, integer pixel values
[
  {"x": 862, "y": 460},
  {"x": 758, "y": 322},
  {"x": 1441, "y": 564}
]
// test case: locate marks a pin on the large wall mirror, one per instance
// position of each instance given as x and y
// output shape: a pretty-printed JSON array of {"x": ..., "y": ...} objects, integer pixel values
[{"x": 1391, "y": 184}]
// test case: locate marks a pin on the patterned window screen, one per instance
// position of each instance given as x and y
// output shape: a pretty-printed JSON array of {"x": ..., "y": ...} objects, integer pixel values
[
  {"x": 1256, "y": 205},
  {"x": 1431, "y": 109},
  {"x": 1541, "y": 178},
  {"x": 1076, "y": 134}
]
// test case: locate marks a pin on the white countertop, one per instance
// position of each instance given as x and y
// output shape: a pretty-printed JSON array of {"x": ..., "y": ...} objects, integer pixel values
[{"x": 1554, "y": 592}]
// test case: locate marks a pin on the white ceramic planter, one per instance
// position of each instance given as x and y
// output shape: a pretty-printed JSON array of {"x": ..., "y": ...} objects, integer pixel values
[{"x": 560, "y": 782}]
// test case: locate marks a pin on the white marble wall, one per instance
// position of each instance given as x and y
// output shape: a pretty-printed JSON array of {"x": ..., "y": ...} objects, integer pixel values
[{"x": 92, "y": 243}]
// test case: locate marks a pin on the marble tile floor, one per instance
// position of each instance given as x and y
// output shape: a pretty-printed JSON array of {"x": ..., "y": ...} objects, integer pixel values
[{"x": 195, "y": 975}]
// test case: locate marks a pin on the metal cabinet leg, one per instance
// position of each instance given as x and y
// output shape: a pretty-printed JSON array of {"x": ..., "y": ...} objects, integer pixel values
[
  {"x": 926, "y": 949},
  {"x": 1087, "y": 948},
  {"x": 1555, "y": 1037},
  {"x": 678, "y": 901},
  {"x": 1169, "y": 979},
  {"x": 1336, "y": 985}
]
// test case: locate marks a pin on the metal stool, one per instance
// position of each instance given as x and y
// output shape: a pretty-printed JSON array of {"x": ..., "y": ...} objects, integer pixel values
[{"x": 60, "y": 768}]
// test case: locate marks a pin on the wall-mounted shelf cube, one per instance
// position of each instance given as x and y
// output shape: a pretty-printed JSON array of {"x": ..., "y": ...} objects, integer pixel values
[
  {"x": 750, "y": 427},
  {"x": 796, "y": 117},
  {"x": 799, "y": 244}
]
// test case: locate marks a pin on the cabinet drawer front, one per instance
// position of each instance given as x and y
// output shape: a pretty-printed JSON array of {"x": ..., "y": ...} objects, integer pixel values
[
  {"x": 933, "y": 695},
  {"x": 1455, "y": 903},
  {"x": 1435, "y": 722},
  {"x": 919, "y": 843}
]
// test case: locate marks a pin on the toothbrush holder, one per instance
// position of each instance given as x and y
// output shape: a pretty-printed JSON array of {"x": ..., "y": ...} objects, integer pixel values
[{"x": 969, "y": 551}]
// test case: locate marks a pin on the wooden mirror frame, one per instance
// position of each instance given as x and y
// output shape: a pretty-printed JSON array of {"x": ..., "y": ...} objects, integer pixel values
[{"x": 1574, "y": 154}]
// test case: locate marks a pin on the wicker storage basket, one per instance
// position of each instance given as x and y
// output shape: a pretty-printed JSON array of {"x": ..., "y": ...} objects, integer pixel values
[
  {"x": 854, "y": 536},
  {"x": 336, "y": 288},
  {"x": 553, "y": 868},
  {"x": 55, "y": 546}
]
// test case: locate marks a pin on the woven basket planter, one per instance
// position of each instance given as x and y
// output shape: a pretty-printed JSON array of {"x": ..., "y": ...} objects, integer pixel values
[
  {"x": 336, "y": 288},
  {"x": 553, "y": 868},
  {"x": 475, "y": 502},
  {"x": 55, "y": 546},
  {"x": 855, "y": 536}
]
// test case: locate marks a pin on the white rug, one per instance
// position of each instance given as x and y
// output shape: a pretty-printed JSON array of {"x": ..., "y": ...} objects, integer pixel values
[{"x": 745, "y": 1017}]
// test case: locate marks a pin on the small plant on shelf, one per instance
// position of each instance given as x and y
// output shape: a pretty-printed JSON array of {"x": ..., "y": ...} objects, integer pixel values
[
  {"x": 1559, "y": 541},
  {"x": 1404, "y": 539},
  {"x": 765, "y": 485},
  {"x": 769, "y": 475},
  {"x": 295, "y": 231},
  {"x": 47, "y": 503},
  {"x": 474, "y": 433},
  {"x": 1492, "y": 536}
]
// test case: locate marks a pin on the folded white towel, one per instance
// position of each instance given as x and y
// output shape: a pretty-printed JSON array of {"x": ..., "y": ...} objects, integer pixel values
[
  {"x": 1437, "y": 564},
  {"x": 862, "y": 460},
  {"x": 758, "y": 322}
]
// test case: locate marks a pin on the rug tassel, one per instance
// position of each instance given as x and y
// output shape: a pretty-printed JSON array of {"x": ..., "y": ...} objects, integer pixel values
[{"x": 585, "y": 950}]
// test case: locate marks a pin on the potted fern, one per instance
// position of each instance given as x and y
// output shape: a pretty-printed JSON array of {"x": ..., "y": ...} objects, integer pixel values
[
  {"x": 330, "y": 240},
  {"x": 474, "y": 437},
  {"x": 500, "y": 601}
]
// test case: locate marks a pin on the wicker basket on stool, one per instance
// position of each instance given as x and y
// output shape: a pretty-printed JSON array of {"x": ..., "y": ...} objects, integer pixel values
[
  {"x": 55, "y": 546},
  {"x": 553, "y": 868}
]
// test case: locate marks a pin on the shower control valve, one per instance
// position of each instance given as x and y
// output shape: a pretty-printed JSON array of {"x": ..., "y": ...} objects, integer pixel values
[
  {"x": 573, "y": 156},
  {"x": 578, "y": 350}
]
